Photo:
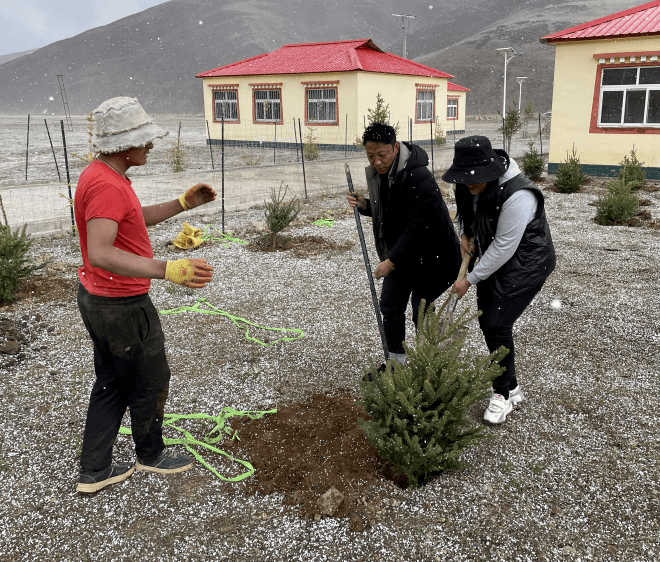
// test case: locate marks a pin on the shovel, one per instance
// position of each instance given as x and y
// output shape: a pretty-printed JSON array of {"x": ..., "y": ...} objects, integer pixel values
[
  {"x": 450, "y": 303},
  {"x": 367, "y": 265}
]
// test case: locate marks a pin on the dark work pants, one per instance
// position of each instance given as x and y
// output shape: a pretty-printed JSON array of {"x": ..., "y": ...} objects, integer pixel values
[
  {"x": 131, "y": 371},
  {"x": 496, "y": 323},
  {"x": 398, "y": 288}
]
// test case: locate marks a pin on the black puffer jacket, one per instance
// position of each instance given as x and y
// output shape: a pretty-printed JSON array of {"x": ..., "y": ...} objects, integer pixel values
[
  {"x": 413, "y": 228},
  {"x": 534, "y": 259}
]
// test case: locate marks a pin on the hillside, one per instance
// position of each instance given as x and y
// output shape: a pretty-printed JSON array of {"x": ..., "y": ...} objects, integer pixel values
[{"x": 155, "y": 54}]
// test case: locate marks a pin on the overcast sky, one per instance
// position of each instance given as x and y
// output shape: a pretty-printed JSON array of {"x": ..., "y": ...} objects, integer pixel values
[{"x": 32, "y": 24}]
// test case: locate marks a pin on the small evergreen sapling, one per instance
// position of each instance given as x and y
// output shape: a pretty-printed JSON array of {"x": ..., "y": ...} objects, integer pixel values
[
  {"x": 631, "y": 172},
  {"x": 279, "y": 214},
  {"x": 569, "y": 173},
  {"x": 311, "y": 147},
  {"x": 619, "y": 206},
  {"x": 532, "y": 163},
  {"x": 13, "y": 261},
  {"x": 381, "y": 113},
  {"x": 419, "y": 412}
]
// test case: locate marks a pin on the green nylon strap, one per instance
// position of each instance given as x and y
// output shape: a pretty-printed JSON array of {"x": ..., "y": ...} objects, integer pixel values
[
  {"x": 326, "y": 222},
  {"x": 237, "y": 321},
  {"x": 188, "y": 440},
  {"x": 226, "y": 237}
]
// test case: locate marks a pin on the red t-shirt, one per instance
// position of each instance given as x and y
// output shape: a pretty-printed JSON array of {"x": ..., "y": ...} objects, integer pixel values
[{"x": 103, "y": 193}]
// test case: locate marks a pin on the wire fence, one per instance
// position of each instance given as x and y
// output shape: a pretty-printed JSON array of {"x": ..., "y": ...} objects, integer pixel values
[{"x": 37, "y": 174}]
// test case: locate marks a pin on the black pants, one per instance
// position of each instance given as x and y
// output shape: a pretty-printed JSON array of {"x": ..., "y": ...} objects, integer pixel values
[
  {"x": 496, "y": 323},
  {"x": 131, "y": 371},
  {"x": 399, "y": 287}
]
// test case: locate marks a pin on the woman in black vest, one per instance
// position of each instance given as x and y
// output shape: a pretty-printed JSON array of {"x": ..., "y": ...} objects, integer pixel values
[{"x": 504, "y": 212}]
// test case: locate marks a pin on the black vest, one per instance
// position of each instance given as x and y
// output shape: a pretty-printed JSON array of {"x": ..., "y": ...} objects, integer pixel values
[{"x": 534, "y": 259}]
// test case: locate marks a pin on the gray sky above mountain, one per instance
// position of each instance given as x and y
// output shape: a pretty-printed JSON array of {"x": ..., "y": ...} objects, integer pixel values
[{"x": 31, "y": 24}]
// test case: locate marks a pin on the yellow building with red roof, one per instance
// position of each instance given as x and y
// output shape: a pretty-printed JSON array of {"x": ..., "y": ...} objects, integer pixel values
[
  {"x": 328, "y": 88},
  {"x": 606, "y": 95}
]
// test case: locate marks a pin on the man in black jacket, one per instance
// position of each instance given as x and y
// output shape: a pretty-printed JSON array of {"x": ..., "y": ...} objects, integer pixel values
[{"x": 418, "y": 249}]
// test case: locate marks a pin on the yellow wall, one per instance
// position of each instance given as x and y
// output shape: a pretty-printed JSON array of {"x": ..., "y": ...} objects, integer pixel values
[
  {"x": 573, "y": 92},
  {"x": 356, "y": 95}
]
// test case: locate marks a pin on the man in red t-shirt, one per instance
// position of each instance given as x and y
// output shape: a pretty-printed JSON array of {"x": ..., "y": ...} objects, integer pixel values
[{"x": 113, "y": 297}]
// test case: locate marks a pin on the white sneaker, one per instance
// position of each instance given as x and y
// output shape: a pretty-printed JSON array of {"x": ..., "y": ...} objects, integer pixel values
[
  {"x": 516, "y": 396},
  {"x": 497, "y": 410}
]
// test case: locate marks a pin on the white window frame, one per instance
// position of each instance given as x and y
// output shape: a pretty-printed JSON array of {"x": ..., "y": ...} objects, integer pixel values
[
  {"x": 269, "y": 105},
  {"x": 452, "y": 108},
  {"x": 425, "y": 105},
  {"x": 324, "y": 107},
  {"x": 649, "y": 90},
  {"x": 228, "y": 107}
]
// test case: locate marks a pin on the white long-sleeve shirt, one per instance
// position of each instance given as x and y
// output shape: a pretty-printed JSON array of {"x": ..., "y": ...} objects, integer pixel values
[{"x": 517, "y": 212}]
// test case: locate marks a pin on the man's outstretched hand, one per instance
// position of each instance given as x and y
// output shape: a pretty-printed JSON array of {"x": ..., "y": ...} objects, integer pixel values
[
  {"x": 197, "y": 195},
  {"x": 189, "y": 273}
]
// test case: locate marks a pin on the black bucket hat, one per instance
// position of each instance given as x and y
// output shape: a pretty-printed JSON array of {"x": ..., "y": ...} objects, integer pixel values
[{"x": 476, "y": 161}]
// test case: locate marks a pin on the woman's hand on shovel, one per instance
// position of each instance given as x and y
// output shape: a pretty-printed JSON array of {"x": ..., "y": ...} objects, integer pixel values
[{"x": 460, "y": 288}]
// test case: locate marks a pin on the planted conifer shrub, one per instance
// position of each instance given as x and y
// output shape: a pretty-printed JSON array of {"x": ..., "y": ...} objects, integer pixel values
[
  {"x": 419, "y": 412},
  {"x": 569, "y": 174},
  {"x": 618, "y": 206},
  {"x": 532, "y": 163},
  {"x": 14, "y": 264},
  {"x": 279, "y": 214},
  {"x": 631, "y": 172}
]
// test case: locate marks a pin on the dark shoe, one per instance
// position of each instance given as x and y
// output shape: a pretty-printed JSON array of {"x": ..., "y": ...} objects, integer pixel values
[
  {"x": 168, "y": 462},
  {"x": 94, "y": 480},
  {"x": 369, "y": 378}
]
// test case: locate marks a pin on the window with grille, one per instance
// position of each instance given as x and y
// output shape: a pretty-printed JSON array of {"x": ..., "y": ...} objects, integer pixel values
[
  {"x": 629, "y": 97},
  {"x": 322, "y": 105},
  {"x": 425, "y": 105},
  {"x": 267, "y": 105},
  {"x": 226, "y": 105},
  {"x": 452, "y": 108}
]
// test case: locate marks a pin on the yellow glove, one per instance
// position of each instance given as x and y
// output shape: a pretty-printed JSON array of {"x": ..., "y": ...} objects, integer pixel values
[
  {"x": 197, "y": 195},
  {"x": 188, "y": 238},
  {"x": 182, "y": 200},
  {"x": 190, "y": 231},
  {"x": 179, "y": 271}
]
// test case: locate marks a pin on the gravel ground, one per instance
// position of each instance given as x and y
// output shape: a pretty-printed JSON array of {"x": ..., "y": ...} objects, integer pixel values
[{"x": 571, "y": 475}]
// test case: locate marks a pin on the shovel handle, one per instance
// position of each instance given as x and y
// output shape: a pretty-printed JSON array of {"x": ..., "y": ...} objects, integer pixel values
[{"x": 466, "y": 260}]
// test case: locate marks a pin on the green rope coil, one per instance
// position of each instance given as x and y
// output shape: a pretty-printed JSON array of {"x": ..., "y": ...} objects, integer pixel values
[
  {"x": 239, "y": 322},
  {"x": 225, "y": 237},
  {"x": 326, "y": 222},
  {"x": 212, "y": 437}
]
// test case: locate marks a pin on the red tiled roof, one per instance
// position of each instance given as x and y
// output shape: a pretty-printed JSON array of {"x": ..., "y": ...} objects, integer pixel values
[
  {"x": 451, "y": 87},
  {"x": 641, "y": 20},
  {"x": 333, "y": 56}
]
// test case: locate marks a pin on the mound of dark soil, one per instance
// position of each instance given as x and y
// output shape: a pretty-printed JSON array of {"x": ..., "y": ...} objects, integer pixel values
[
  {"x": 308, "y": 448},
  {"x": 299, "y": 246}
]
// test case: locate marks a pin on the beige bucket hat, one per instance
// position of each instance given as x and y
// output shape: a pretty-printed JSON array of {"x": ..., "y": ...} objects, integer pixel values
[{"x": 121, "y": 124}]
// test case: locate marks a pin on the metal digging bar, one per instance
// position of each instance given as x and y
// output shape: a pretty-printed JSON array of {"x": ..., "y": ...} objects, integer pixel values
[{"x": 367, "y": 265}]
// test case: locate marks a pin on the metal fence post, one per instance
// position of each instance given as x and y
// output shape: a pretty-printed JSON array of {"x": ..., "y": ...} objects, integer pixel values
[
  {"x": 68, "y": 177},
  {"x": 302, "y": 156},
  {"x": 27, "y": 147},
  {"x": 222, "y": 151},
  {"x": 208, "y": 132},
  {"x": 59, "y": 178}
]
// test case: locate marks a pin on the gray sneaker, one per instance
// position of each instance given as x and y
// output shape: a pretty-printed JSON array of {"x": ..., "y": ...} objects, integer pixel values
[
  {"x": 168, "y": 462},
  {"x": 90, "y": 481}
]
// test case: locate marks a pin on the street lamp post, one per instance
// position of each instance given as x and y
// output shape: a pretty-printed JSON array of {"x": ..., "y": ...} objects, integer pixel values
[
  {"x": 520, "y": 80},
  {"x": 509, "y": 53}
]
